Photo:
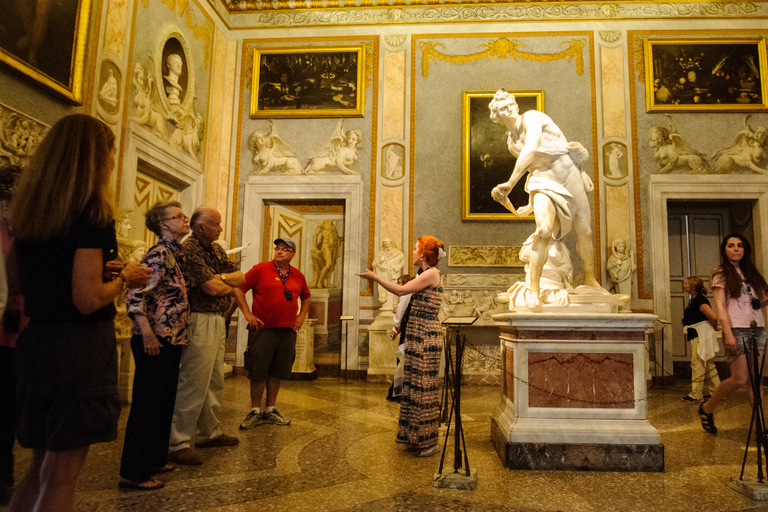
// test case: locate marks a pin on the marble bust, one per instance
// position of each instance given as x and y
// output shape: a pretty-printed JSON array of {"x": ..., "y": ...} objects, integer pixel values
[{"x": 173, "y": 89}]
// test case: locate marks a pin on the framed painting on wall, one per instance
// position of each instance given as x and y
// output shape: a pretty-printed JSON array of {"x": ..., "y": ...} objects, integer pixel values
[
  {"x": 308, "y": 82},
  {"x": 486, "y": 161},
  {"x": 46, "y": 42},
  {"x": 703, "y": 75}
]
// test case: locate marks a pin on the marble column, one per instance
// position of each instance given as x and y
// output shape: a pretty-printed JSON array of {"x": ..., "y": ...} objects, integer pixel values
[{"x": 573, "y": 393}]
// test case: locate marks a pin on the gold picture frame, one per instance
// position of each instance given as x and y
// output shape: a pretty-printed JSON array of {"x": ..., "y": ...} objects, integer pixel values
[
  {"x": 705, "y": 75},
  {"x": 486, "y": 161},
  {"x": 302, "y": 82},
  {"x": 50, "y": 49}
]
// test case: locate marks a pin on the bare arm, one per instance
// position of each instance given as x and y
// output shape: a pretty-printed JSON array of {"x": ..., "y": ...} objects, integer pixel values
[
  {"x": 219, "y": 286},
  {"x": 89, "y": 291},
  {"x": 725, "y": 321},
  {"x": 430, "y": 277},
  {"x": 302, "y": 316},
  {"x": 242, "y": 303}
]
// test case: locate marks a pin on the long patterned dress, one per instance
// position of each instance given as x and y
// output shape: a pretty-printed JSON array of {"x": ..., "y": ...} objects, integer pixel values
[{"x": 420, "y": 398}]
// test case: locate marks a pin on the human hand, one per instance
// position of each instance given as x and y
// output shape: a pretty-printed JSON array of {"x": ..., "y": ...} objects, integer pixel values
[
  {"x": 299, "y": 323},
  {"x": 137, "y": 276},
  {"x": 524, "y": 211},
  {"x": 151, "y": 345},
  {"x": 111, "y": 270},
  {"x": 254, "y": 322},
  {"x": 730, "y": 343},
  {"x": 368, "y": 274}
]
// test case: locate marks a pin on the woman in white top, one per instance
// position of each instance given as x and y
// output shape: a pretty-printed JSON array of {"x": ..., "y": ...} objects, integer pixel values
[{"x": 740, "y": 291}]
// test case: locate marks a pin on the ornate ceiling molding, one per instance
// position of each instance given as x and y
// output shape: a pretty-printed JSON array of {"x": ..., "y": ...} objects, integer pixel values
[{"x": 281, "y": 13}]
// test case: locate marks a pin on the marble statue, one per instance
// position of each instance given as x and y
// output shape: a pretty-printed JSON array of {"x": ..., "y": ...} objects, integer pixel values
[
  {"x": 128, "y": 251},
  {"x": 556, "y": 185},
  {"x": 19, "y": 136},
  {"x": 326, "y": 246},
  {"x": 173, "y": 90},
  {"x": 615, "y": 152},
  {"x": 673, "y": 154},
  {"x": 341, "y": 153},
  {"x": 388, "y": 263},
  {"x": 555, "y": 281},
  {"x": 108, "y": 91},
  {"x": 188, "y": 134},
  {"x": 148, "y": 105},
  {"x": 747, "y": 151},
  {"x": 620, "y": 267},
  {"x": 270, "y": 153}
]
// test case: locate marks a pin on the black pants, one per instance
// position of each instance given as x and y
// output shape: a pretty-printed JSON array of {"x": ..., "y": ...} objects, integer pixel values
[
  {"x": 7, "y": 412},
  {"x": 154, "y": 397}
]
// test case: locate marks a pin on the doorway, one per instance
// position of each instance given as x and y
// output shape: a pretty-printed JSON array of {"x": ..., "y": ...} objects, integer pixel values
[{"x": 696, "y": 229}]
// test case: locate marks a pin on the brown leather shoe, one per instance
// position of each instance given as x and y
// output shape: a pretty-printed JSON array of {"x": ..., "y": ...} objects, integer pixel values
[
  {"x": 222, "y": 440},
  {"x": 185, "y": 457}
]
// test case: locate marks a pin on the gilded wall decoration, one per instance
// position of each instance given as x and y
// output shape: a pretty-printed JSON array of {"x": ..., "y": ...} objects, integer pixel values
[
  {"x": 19, "y": 136},
  {"x": 502, "y": 48},
  {"x": 610, "y": 36},
  {"x": 484, "y": 256}
]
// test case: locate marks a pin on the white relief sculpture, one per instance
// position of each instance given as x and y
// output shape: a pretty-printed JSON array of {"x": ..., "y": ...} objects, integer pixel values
[
  {"x": 341, "y": 153},
  {"x": 393, "y": 163},
  {"x": 673, "y": 154},
  {"x": 173, "y": 90},
  {"x": 557, "y": 189},
  {"x": 19, "y": 136},
  {"x": 108, "y": 91},
  {"x": 615, "y": 152},
  {"x": 149, "y": 108},
  {"x": 270, "y": 153},
  {"x": 326, "y": 246},
  {"x": 187, "y": 134},
  {"x": 483, "y": 256},
  {"x": 747, "y": 151},
  {"x": 493, "y": 281},
  {"x": 621, "y": 266},
  {"x": 128, "y": 251},
  {"x": 388, "y": 263}
]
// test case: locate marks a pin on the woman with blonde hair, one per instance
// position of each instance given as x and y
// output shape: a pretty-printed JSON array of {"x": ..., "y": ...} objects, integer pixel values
[
  {"x": 420, "y": 398},
  {"x": 700, "y": 321},
  {"x": 61, "y": 216}
]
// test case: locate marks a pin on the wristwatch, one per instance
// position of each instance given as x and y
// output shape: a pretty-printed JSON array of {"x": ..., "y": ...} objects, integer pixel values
[{"x": 223, "y": 278}]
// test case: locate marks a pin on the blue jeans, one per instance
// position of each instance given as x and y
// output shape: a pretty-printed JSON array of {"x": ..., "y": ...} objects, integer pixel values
[{"x": 743, "y": 335}]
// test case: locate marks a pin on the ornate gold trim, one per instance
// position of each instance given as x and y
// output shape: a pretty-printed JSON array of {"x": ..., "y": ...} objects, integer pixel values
[{"x": 502, "y": 48}]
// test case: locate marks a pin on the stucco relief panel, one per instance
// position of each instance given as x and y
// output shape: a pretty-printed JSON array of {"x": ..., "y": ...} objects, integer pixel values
[{"x": 114, "y": 31}]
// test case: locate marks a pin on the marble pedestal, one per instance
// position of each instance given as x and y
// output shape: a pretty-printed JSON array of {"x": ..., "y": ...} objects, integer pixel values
[
  {"x": 573, "y": 394},
  {"x": 382, "y": 356},
  {"x": 326, "y": 310},
  {"x": 304, "y": 364}
]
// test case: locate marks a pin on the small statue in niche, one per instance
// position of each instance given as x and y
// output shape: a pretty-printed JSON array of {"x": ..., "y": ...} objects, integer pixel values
[
  {"x": 326, "y": 244},
  {"x": 108, "y": 92},
  {"x": 747, "y": 151},
  {"x": 388, "y": 263},
  {"x": 393, "y": 163},
  {"x": 621, "y": 266},
  {"x": 270, "y": 153},
  {"x": 148, "y": 104},
  {"x": 341, "y": 152},
  {"x": 672, "y": 153}
]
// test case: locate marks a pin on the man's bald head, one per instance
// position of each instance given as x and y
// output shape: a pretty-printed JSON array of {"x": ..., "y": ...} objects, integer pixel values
[{"x": 206, "y": 224}]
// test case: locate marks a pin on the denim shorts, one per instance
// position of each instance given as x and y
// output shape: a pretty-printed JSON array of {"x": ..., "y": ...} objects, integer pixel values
[{"x": 743, "y": 335}]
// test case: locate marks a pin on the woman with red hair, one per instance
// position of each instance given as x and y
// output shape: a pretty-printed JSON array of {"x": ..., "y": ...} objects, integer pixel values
[{"x": 420, "y": 399}]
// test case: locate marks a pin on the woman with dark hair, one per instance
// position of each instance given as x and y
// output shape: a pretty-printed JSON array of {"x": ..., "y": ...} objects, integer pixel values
[
  {"x": 700, "y": 322},
  {"x": 159, "y": 313},
  {"x": 740, "y": 291},
  {"x": 420, "y": 399},
  {"x": 61, "y": 216}
]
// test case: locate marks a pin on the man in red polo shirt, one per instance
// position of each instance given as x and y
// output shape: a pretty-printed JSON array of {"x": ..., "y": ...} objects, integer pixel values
[{"x": 276, "y": 287}]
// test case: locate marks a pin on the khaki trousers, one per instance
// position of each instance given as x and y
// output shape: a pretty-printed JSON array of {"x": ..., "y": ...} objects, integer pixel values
[
  {"x": 703, "y": 373},
  {"x": 201, "y": 382}
]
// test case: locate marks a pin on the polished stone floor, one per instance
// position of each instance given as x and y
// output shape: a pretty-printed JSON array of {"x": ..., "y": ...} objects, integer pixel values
[{"x": 339, "y": 454}]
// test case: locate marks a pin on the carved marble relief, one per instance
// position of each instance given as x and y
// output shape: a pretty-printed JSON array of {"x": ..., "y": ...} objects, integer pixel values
[
  {"x": 110, "y": 79},
  {"x": 392, "y": 158},
  {"x": 476, "y": 295},
  {"x": 340, "y": 153},
  {"x": 270, "y": 153},
  {"x": 615, "y": 160},
  {"x": 19, "y": 136},
  {"x": 164, "y": 104},
  {"x": 745, "y": 154},
  {"x": 484, "y": 256}
]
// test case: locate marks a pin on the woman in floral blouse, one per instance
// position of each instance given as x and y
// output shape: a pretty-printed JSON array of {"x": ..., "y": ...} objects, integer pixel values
[{"x": 159, "y": 314}]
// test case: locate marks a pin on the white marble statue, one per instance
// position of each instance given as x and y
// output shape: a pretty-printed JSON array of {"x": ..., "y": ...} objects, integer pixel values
[
  {"x": 747, "y": 151},
  {"x": 188, "y": 134},
  {"x": 326, "y": 246},
  {"x": 173, "y": 89},
  {"x": 621, "y": 266},
  {"x": 149, "y": 108},
  {"x": 340, "y": 153},
  {"x": 615, "y": 152},
  {"x": 673, "y": 154},
  {"x": 555, "y": 281},
  {"x": 393, "y": 163},
  {"x": 388, "y": 263},
  {"x": 270, "y": 153},
  {"x": 556, "y": 185},
  {"x": 108, "y": 91},
  {"x": 19, "y": 136}
]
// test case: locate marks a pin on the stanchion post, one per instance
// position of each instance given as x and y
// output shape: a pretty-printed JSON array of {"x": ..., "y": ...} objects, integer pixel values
[{"x": 345, "y": 319}]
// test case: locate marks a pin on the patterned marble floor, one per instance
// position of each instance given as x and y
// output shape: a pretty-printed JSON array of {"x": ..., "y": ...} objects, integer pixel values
[{"x": 339, "y": 454}]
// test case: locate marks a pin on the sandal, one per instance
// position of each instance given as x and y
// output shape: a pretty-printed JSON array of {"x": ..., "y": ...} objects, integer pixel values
[
  {"x": 147, "y": 485},
  {"x": 165, "y": 469},
  {"x": 707, "y": 420}
]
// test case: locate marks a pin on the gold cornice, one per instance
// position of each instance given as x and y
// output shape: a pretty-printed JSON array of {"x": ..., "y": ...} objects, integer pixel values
[{"x": 250, "y": 14}]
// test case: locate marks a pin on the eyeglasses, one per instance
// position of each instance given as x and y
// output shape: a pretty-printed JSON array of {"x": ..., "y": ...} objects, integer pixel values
[
  {"x": 283, "y": 249},
  {"x": 179, "y": 216}
]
